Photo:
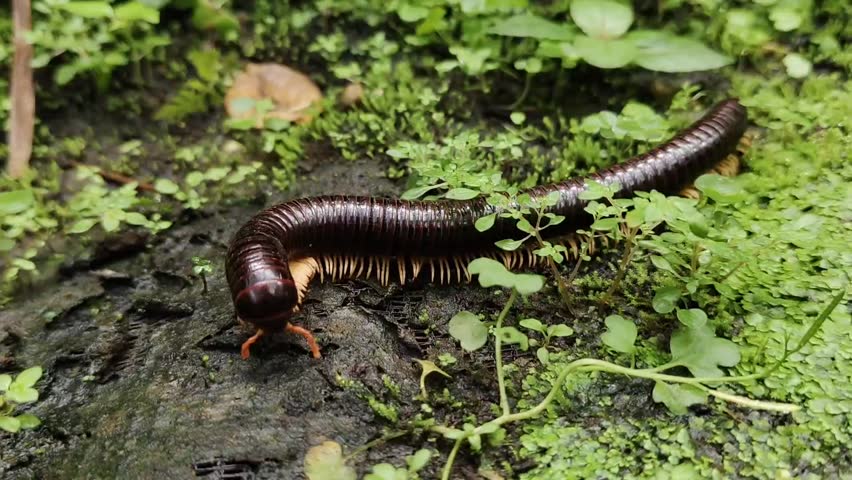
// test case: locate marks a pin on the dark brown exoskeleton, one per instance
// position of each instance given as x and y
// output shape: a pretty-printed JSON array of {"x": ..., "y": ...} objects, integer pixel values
[{"x": 274, "y": 256}]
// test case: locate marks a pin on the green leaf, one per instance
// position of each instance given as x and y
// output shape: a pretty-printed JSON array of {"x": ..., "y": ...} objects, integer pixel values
[
  {"x": 166, "y": 186},
  {"x": 417, "y": 192},
  {"x": 484, "y": 223},
  {"x": 509, "y": 244},
  {"x": 411, "y": 13},
  {"x": 559, "y": 330},
  {"x": 5, "y": 381},
  {"x": 135, "y": 218},
  {"x": 602, "y": 18},
  {"x": 21, "y": 394},
  {"x": 24, "y": 264},
  {"x": 6, "y": 244},
  {"x": 419, "y": 460},
  {"x": 531, "y": 26},
  {"x": 543, "y": 355},
  {"x": 797, "y": 65},
  {"x": 620, "y": 334},
  {"x": 137, "y": 11},
  {"x": 28, "y": 421},
  {"x": 82, "y": 226},
  {"x": 665, "y": 299},
  {"x": 692, "y": 318},
  {"x": 785, "y": 19},
  {"x": 662, "y": 52},
  {"x": 326, "y": 462},
  {"x": 468, "y": 330},
  {"x": 492, "y": 272},
  {"x": 662, "y": 264},
  {"x": 111, "y": 219},
  {"x": 10, "y": 424},
  {"x": 29, "y": 377},
  {"x": 606, "y": 224},
  {"x": 678, "y": 397},
  {"x": 16, "y": 201},
  {"x": 603, "y": 53},
  {"x": 515, "y": 336},
  {"x": 461, "y": 194},
  {"x": 701, "y": 351},
  {"x": 721, "y": 189},
  {"x": 88, "y": 9},
  {"x": 386, "y": 471},
  {"x": 518, "y": 117},
  {"x": 533, "y": 324},
  {"x": 427, "y": 367},
  {"x": 65, "y": 73}
]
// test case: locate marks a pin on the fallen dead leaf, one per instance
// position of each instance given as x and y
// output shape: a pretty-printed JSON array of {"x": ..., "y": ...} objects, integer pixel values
[
  {"x": 294, "y": 96},
  {"x": 352, "y": 94}
]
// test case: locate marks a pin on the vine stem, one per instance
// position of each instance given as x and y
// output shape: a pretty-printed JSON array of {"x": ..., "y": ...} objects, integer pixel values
[
  {"x": 591, "y": 365},
  {"x": 498, "y": 354},
  {"x": 629, "y": 250},
  {"x": 448, "y": 467}
]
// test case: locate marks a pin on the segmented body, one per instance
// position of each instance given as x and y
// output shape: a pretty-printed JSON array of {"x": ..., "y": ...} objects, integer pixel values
[{"x": 275, "y": 254}]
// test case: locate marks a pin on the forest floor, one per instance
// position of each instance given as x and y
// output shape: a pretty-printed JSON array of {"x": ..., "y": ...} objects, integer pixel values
[{"x": 142, "y": 370}]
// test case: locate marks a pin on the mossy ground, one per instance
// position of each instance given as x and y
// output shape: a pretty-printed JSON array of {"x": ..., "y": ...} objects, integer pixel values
[{"x": 120, "y": 363}]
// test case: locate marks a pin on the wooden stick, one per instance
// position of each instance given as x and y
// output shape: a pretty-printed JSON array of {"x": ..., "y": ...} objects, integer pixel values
[{"x": 22, "y": 116}]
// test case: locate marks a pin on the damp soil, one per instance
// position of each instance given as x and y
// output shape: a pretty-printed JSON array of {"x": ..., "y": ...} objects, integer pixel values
[
  {"x": 143, "y": 377},
  {"x": 143, "y": 374}
]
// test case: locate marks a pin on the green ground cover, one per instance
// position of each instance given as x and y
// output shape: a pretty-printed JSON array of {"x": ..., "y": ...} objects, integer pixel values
[{"x": 463, "y": 98}]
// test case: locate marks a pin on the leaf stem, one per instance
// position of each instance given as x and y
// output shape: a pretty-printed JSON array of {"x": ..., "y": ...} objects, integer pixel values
[
  {"x": 498, "y": 353},
  {"x": 448, "y": 467}
]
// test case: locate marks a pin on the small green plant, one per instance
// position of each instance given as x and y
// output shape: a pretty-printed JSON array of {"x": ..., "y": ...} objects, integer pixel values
[
  {"x": 694, "y": 346},
  {"x": 93, "y": 37},
  {"x": 18, "y": 391},
  {"x": 197, "y": 94},
  {"x": 414, "y": 463},
  {"x": 201, "y": 267},
  {"x": 549, "y": 332}
]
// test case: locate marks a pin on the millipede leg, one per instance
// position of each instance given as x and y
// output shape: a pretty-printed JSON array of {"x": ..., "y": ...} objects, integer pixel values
[
  {"x": 245, "y": 349},
  {"x": 312, "y": 342}
]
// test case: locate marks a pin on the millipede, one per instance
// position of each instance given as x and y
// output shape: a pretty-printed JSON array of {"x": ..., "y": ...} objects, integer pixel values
[{"x": 274, "y": 256}]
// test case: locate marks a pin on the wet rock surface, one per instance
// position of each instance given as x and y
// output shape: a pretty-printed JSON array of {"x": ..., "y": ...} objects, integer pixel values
[{"x": 143, "y": 375}]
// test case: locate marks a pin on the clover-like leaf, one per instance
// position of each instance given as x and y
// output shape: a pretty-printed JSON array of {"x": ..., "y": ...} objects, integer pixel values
[
  {"x": 559, "y": 330},
  {"x": 720, "y": 189},
  {"x": 692, "y": 318},
  {"x": 620, "y": 334},
  {"x": 492, "y": 272},
  {"x": 602, "y": 18},
  {"x": 5, "y": 381},
  {"x": 10, "y": 424},
  {"x": 468, "y": 330},
  {"x": 21, "y": 394},
  {"x": 678, "y": 397},
  {"x": 325, "y": 462},
  {"x": 515, "y": 336},
  {"x": 666, "y": 298},
  {"x": 702, "y": 352},
  {"x": 28, "y": 421},
  {"x": 533, "y": 324}
]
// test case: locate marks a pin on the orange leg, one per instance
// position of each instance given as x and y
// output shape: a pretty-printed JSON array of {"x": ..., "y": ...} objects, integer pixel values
[
  {"x": 312, "y": 342},
  {"x": 244, "y": 351}
]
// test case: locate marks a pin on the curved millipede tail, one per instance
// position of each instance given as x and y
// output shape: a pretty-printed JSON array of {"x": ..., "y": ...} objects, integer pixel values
[{"x": 275, "y": 255}]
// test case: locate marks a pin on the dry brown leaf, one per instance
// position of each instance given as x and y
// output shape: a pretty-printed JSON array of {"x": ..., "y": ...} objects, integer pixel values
[
  {"x": 352, "y": 94},
  {"x": 294, "y": 96}
]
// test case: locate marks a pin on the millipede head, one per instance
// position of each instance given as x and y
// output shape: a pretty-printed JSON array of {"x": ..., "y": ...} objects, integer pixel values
[{"x": 267, "y": 304}]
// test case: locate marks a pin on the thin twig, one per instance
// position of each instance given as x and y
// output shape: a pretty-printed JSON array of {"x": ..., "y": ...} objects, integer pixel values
[
  {"x": 22, "y": 93},
  {"x": 116, "y": 177}
]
